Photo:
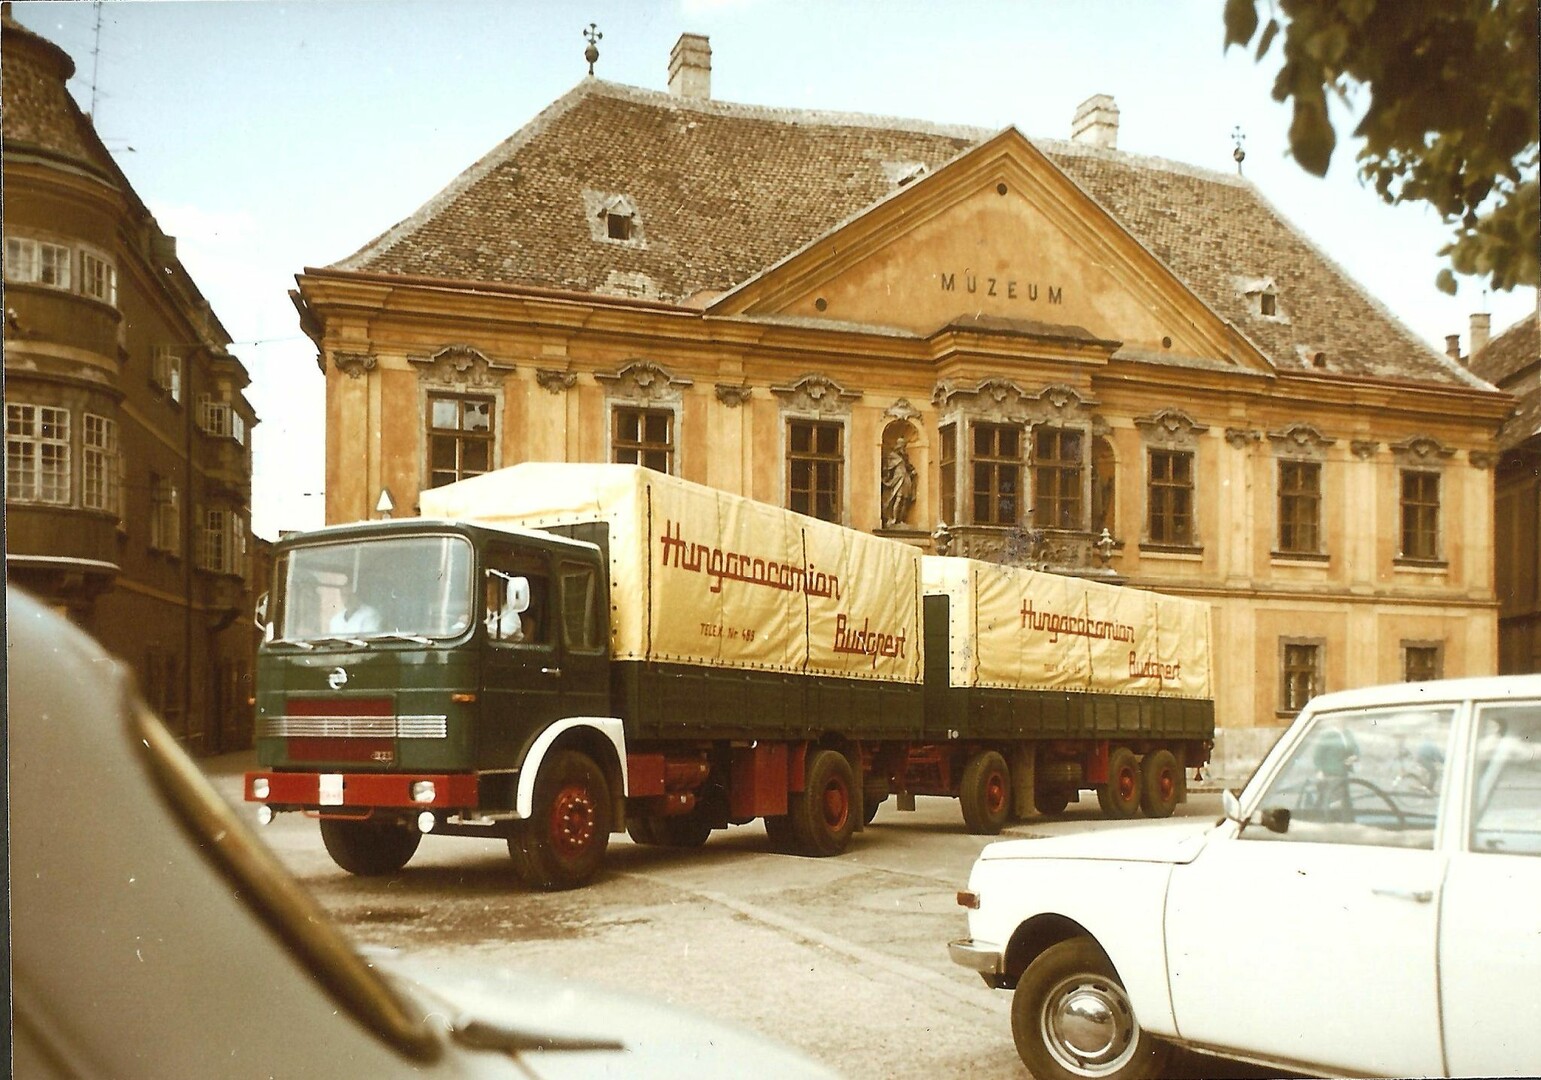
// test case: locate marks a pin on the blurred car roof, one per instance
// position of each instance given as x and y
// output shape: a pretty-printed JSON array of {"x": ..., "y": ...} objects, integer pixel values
[{"x": 155, "y": 936}]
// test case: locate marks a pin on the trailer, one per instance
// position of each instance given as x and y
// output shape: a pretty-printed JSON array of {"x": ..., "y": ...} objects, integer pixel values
[{"x": 557, "y": 652}]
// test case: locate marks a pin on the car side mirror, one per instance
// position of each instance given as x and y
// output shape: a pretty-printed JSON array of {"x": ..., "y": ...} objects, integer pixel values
[
  {"x": 1276, "y": 819},
  {"x": 1232, "y": 807}
]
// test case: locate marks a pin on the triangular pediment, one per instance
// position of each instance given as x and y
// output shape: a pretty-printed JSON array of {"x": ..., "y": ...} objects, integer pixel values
[{"x": 1003, "y": 239}]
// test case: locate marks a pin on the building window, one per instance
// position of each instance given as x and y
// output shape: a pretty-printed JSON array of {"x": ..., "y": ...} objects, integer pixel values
[
  {"x": 643, "y": 437},
  {"x": 1421, "y": 661},
  {"x": 165, "y": 517},
  {"x": 98, "y": 278},
  {"x": 36, "y": 262},
  {"x": 459, "y": 438},
  {"x": 1171, "y": 497},
  {"x": 997, "y": 470},
  {"x": 1302, "y": 674},
  {"x": 37, "y": 454},
  {"x": 1267, "y": 303},
  {"x": 221, "y": 419},
  {"x": 1300, "y": 507},
  {"x": 101, "y": 466},
  {"x": 618, "y": 225},
  {"x": 948, "y": 463},
  {"x": 1420, "y": 514},
  {"x": 222, "y": 542},
  {"x": 1058, "y": 469},
  {"x": 167, "y": 371},
  {"x": 815, "y": 460}
]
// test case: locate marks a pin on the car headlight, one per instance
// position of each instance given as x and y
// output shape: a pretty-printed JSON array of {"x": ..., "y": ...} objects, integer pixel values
[{"x": 423, "y": 791}]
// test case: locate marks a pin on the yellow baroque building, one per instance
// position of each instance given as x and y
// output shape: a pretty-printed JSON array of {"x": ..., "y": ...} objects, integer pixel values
[{"x": 1040, "y": 351}]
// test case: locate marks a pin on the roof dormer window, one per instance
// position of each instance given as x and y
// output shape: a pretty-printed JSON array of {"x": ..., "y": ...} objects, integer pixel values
[
  {"x": 1267, "y": 303},
  {"x": 613, "y": 218},
  {"x": 1262, "y": 297}
]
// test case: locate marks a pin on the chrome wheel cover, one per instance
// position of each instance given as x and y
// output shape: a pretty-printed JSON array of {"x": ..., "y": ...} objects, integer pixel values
[{"x": 1088, "y": 1026}]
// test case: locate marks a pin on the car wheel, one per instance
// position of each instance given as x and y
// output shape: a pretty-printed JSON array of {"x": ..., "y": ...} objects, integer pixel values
[
  {"x": 563, "y": 845},
  {"x": 984, "y": 793},
  {"x": 1120, "y": 796},
  {"x": 1161, "y": 784},
  {"x": 1071, "y": 1019},
  {"x": 823, "y": 814},
  {"x": 369, "y": 847}
]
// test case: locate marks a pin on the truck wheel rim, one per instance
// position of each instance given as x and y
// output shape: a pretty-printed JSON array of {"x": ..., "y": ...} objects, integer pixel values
[
  {"x": 837, "y": 805},
  {"x": 1127, "y": 784},
  {"x": 572, "y": 820},
  {"x": 995, "y": 793},
  {"x": 1088, "y": 1026},
  {"x": 1166, "y": 785}
]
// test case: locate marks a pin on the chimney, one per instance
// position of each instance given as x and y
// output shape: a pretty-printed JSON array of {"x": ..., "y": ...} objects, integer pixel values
[
  {"x": 1096, "y": 122},
  {"x": 1481, "y": 330},
  {"x": 1453, "y": 347},
  {"x": 690, "y": 67}
]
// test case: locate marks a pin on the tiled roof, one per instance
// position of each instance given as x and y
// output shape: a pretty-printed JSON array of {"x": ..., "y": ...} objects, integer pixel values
[
  {"x": 723, "y": 191},
  {"x": 39, "y": 112},
  {"x": 1512, "y": 362}
]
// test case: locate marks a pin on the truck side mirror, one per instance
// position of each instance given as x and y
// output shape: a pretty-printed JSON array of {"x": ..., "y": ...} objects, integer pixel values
[
  {"x": 260, "y": 617},
  {"x": 518, "y": 600}
]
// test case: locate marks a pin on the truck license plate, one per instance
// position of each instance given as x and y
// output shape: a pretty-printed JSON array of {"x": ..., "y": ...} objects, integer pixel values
[{"x": 331, "y": 789}]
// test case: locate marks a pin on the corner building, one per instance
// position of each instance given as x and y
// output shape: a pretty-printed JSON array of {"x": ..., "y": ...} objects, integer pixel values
[
  {"x": 1093, "y": 362},
  {"x": 127, "y": 452}
]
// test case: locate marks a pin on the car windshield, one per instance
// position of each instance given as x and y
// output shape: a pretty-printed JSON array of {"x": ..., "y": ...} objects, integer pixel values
[{"x": 408, "y": 586}]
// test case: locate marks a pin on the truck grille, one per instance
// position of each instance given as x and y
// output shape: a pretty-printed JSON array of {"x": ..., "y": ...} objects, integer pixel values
[{"x": 349, "y": 718}]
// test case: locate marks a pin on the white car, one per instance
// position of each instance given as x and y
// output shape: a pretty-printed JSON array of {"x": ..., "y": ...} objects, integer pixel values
[{"x": 1370, "y": 905}]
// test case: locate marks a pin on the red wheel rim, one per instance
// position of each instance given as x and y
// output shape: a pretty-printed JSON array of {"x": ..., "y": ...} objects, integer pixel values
[
  {"x": 1127, "y": 784},
  {"x": 837, "y": 805},
  {"x": 995, "y": 793},
  {"x": 572, "y": 821},
  {"x": 1166, "y": 785}
]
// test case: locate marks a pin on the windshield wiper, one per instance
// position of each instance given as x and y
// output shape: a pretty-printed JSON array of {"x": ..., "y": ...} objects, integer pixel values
[
  {"x": 403, "y": 636},
  {"x": 292, "y": 641}
]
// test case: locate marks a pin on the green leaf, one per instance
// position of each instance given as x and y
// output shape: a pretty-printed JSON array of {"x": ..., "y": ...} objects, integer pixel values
[
  {"x": 1240, "y": 21},
  {"x": 1444, "y": 281},
  {"x": 1269, "y": 33},
  {"x": 1311, "y": 136}
]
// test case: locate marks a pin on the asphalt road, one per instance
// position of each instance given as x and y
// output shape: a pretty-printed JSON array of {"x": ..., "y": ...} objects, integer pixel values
[{"x": 843, "y": 958}]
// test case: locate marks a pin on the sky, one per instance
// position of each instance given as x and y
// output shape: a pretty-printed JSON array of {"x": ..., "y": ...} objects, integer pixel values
[{"x": 272, "y": 136}]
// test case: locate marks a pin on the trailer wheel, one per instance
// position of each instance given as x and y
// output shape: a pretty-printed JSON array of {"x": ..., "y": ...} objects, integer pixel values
[
  {"x": 563, "y": 845},
  {"x": 823, "y": 814},
  {"x": 369, "y": 847},
  {"x": 778, "y": 832},
  {"x": 1051, "y": 802},
  {"x": 682, "y": 830},
  {"x": 985, "y": 793},
  {"x": 1161, "y": 784},
  {"x": 1120, "y": 796}
]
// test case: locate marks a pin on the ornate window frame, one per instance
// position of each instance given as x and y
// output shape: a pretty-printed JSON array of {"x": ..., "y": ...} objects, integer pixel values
[
  {"x": 1426, "y": 456},
  {"x": 647, "y": 385},
  {"x": 1172, "y": 431},
  {"x": 1299, "y": 443},
  {"x": 815, "y": 397},
  {"x": 457, "y": 371}
]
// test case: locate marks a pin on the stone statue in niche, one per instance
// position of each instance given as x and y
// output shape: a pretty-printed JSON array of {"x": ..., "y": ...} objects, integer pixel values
[{"x": 898, "y": 485}]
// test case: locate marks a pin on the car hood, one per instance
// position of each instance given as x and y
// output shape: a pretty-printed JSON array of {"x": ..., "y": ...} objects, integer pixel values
[
  {"x": 1151, "y": 842},
  {"x": 482, "y": 1005}
]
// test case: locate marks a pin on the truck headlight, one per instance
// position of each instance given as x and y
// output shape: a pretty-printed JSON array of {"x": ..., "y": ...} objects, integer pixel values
[
  {"x": 425, "y": 822},
  {"x": 260, "y": 788},
  {"x": 423, "y": 791},
  {"x": 264, "y": 814}
]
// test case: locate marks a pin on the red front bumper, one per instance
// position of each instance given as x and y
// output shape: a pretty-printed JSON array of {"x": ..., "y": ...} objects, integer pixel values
[{"x": 322, "y": 791}]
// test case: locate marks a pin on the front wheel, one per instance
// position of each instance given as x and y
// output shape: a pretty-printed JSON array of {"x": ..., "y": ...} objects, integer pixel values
[
  {"x": 563, "y": 844},
  {"x": 369, "y": 847},
  {"x": 1071, "y": 1019}
]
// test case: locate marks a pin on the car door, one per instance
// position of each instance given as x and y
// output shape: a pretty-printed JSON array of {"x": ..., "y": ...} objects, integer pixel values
[
  {"x": 1314, "y": 941},
  {"x": 1490, "y": 924}
]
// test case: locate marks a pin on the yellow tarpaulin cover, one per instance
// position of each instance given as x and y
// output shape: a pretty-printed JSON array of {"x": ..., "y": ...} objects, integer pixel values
[
  {"x": 700, "y": 576},
  {"x": 1016, "y": 628}
]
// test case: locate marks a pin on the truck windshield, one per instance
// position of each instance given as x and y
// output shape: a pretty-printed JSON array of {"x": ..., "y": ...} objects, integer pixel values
[{"x": 410, "y": 586}]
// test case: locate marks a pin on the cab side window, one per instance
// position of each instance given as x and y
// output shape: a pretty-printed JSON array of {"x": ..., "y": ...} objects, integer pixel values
[
  {"x": 505, "y": 624},
  {"x": 580, "y": 606},
  {"x": 1506, "y": 788}
]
